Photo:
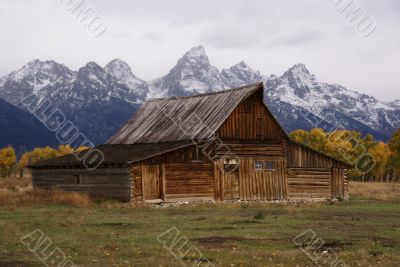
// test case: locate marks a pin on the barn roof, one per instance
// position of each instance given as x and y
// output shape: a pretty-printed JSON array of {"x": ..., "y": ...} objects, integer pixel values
[
  {"x": 118, "y": 154},
  {"x": 182, "y": 118}
]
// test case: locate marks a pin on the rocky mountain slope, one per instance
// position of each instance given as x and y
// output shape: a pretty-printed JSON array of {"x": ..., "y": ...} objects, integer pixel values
[
  {"x": 22, "y": 130},
  {"x": 100, "y": 99}
]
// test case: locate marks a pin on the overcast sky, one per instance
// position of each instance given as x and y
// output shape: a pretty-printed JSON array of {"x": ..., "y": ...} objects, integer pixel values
[{"x": 270, "y": 36}]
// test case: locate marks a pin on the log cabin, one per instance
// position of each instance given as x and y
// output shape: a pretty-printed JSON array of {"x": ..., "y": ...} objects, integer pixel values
[{"x": 220, "y": 146}]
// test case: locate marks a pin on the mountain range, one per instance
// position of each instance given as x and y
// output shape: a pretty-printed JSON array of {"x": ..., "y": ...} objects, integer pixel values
[{"x": 100, "y": 99}]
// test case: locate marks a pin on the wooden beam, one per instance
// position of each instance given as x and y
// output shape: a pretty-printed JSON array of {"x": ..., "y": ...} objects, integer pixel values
[
  {"x": 143, "y": 198},
  {"x": 163, "y": 194}
]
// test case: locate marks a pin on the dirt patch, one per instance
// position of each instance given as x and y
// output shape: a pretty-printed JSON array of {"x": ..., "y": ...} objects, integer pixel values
[
  {"x": 246, "y": 222},
  {"x": 117, "y": 225},
  {"x": 336, "y": 245},
  {"x": 230, "y": 241},
  {"x": 386, "y": 242},
  {"x": 217, "y": 228},
  {"x": 17, "y": 263}
]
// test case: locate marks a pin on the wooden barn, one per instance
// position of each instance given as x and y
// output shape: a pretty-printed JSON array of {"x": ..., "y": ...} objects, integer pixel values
[{"x": 218, "y": 146}]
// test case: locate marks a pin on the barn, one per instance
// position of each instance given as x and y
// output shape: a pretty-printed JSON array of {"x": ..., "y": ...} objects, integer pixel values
[{"x": 218, "y": 146}]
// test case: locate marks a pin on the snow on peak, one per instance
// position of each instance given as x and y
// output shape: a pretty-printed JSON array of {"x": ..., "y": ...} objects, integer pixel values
[
  {"x": 240, "y": 74},
  {"x": 119, "y": 68},
  {"x": 197, "y": 51},
  {"x": 300, "y": 71}
]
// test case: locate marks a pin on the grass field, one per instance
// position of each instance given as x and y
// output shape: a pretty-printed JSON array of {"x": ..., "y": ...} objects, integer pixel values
[{"x": 364, "y": 231}]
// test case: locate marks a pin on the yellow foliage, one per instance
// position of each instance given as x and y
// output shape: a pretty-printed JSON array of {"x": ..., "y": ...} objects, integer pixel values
[{"x": 7, "y": 160}]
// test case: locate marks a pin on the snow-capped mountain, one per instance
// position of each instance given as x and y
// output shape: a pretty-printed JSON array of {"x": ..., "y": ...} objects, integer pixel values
[
  {"x": 239, "y": 75},
  {"x": 98, "y": 100},
  {"x": 337, "y": 106},
  {"x": 123, "y": 73},
  {"x": 394, "y": 104},
  {"x": 192, "y": 74}
]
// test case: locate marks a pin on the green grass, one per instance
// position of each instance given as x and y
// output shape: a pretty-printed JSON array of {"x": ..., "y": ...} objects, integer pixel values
[{"x": 360, "y": 232}]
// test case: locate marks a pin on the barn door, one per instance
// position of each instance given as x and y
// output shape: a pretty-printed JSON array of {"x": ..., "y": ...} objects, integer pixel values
[
  {"x": 152, "y": 182},
  {"x": 231, "y": 182},
  {"x": 337, "y": 184}
]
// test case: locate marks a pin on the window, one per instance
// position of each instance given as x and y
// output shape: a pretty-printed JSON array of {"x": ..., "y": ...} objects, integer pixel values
[
  {"x": 77, "y": 179},
  {"x": 264, "y": 165},
  {"x": 231, "y": 165},
  {"x": 196, "y": 154}
]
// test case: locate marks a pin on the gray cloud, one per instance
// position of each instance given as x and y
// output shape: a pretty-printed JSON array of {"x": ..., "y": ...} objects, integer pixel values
[{"x": 269, "y": 35}]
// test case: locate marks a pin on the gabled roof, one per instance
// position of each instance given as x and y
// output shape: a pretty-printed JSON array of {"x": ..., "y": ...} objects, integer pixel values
[
  {"x": 182, "y": 118},
  {"x": 118, "y": 154}
]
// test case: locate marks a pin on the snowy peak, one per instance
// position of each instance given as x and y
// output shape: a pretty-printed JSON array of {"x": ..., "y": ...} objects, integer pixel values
[
  {"x": 119, "y": 68},
  {"x": 394, "y": 104},
  {"x": 192, "y": 74},
  {"x": 196, "y": 53},
  {"x": 40, "y": 69},
  {"x": 300, "y": 74},
  {"x": 240, "y": 74}
]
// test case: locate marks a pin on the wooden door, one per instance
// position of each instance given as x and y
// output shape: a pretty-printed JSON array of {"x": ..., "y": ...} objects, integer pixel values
[
  {"x": 262, "y": 184},
  {"x": 231, "y": 182},
  {"x": 152, "y": 182}
]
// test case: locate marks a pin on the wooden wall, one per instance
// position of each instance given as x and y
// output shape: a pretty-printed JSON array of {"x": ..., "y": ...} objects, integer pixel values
[
  {"x": 299, "y": 172},
  {"x": 339, "y": 183},
  {"x": 253, "y": 184},
  {"x": 309, "y": 182},
  {"x": 249, "y": 121},
  {"x": 102, "y": 182},
  {"x": 301, "y": 157},
  {"x": 175, "y": 174},
  {"x": 189, "y": 180}
]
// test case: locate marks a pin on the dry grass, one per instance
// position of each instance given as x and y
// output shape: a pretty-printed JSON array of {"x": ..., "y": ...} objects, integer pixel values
[
  {"x": 38, "y": 196},
  {"x": 378, "y": 191},
  {"x": 18, "y": 191}
]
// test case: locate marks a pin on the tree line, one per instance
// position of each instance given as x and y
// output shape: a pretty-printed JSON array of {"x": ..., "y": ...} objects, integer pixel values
[
  {"x": 354, "y": 149},
  {"x": 347, "y": 146},
  {"x": 11, "y": 165}
]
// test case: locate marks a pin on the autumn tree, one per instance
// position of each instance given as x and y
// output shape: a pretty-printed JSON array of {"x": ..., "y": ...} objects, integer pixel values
[
  {"x": 394, "y": 146},
  {"x": 380, "y": 153},
  {"x": 40, "y": 154},
  {"x": 64, "y": 150},
  {"x": 24, "y": 161},
  {"x": 7, "y": 161}
]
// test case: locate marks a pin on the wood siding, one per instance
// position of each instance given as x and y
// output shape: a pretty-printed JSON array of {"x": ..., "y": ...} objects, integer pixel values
[
  {"x": 175, "y": 174},
  {"x": 102, "y": 182},
  {"x": 301, "y": 157},
  {"x": 189, "y": 181},
  {"x": 251, "y": 120},
  {"x": 339, "y": 184},
  {"x": 253, "y": 184},
  {"x": 245, "y": 150},
  {"x": 309, "y": 182}
]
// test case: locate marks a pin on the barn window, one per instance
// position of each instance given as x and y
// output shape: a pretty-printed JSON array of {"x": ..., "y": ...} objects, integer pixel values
[
  {"x": 264, "y": 165},
  {"x": 77, "y": 179},
  {"x": 259, "y": 165},
  {"x": 231, "y": 165},
  {"x": 196, "y": 154}
]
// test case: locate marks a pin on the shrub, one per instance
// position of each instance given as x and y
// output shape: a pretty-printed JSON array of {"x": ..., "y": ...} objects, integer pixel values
[
  {"x": 259, "y": 216},
  {"x": 39, "y": 196}
]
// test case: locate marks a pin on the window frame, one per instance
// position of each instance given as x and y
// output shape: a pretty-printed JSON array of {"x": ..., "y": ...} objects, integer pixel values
[
  {"x": 78, "y": 179},
  {"x": 197, "y": 151},
  {"x": 266, "y": 165}
]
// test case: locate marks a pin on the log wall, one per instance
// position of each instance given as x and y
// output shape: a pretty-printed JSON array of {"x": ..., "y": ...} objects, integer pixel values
[
  {"x": 188, "y": 181},
  {"x": 102, "y": 182},
  {"x": 251, "y": 120},
  {"x": 173, "y": 176},
  {"x": 253, "y": 184},
  {"x": 309, "y": 182}
]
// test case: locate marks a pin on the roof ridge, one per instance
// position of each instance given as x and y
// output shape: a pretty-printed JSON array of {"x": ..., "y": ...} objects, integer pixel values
[{"x": 206, "y": 94}]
